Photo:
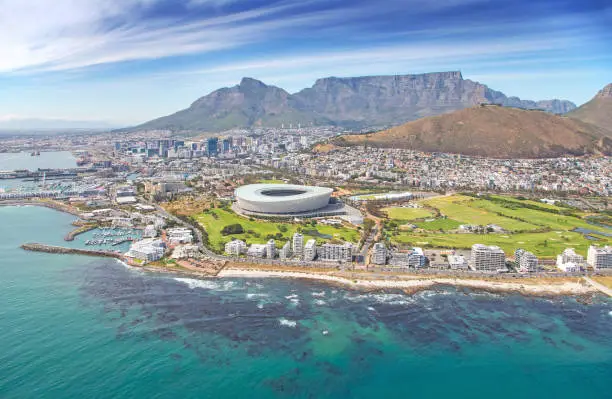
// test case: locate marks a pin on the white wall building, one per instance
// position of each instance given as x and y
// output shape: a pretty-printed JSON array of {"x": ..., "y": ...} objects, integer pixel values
[
  {"x": 414, "y": 258},
  {"x": 257, "y": 250},
  {"x": 285, "y": 251},
  {"x": 147, "y": 250},
  {"x": 179, "y": 235},
  {"x": 310, "y": 250},
  {"x": 271, "y": 249},
  {"x": 457, "y": 262},
  {"x": 600, "y": 257},
  {"x": 298, "y": 245},
  {"x": 525, "y": 261},
  {"x": 487, "y": 258},
  {"x": 569, "y": 261},
  {"x": 236, "y": 247},
  {"x": 336, "y": 252},
  {"x": 379, "y": 254}
]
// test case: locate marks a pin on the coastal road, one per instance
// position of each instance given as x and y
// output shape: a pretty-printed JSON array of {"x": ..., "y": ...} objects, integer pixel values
[{"x": 598, "y": 286}]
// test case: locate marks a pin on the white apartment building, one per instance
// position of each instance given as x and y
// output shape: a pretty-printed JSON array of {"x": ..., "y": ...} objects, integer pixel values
[
  {"x": 298, "y": 245},
  {"x": 336, "y": 252},
  {"x": 257, "y": 250},
  {"x": 310, "y": 250},
  {"x": 235, "y": 247},
  {"x": 271, "y": 249},
  {"x": 285, "y": 251},
  {"x": 414, "y": 258},
  {"x": 569, "y": 261},
  {"x": 526, "y": 262},
  {"x": 457, "y": 262},
  {"x": 147, "y": 250},
  {"x": 379, "y": 254},
  {"x": 179, "y": 235},
  {"x": 487, "y": 258},
  {"x": 600, "y": 257}
]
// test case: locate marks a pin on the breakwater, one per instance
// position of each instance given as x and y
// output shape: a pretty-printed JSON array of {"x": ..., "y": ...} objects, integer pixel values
[
  {"x": 51, "y": 249},
  {"x": 82, "y": 229}
]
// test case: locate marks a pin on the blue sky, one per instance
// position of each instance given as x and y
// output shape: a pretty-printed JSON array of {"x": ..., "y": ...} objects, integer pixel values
[{"x": 127, "y": 61}]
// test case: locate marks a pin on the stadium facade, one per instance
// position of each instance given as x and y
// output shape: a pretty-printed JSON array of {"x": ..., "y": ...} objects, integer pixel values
[{"x": 284, "y": 200}]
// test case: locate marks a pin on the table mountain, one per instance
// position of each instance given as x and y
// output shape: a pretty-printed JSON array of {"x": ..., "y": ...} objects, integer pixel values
[
  {"x": 358, "y": 102},
  {"x": 492, "y": 131},
  {"x": 598, "y": 111}
]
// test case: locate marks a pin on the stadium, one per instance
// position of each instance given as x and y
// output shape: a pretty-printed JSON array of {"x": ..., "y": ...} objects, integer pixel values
[{"x": 279, "y": 201}]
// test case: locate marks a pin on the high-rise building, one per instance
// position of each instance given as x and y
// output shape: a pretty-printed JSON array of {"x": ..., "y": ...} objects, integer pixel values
[
  {"x": 310, "y": 250},
  {"x": 212, "y": 146},
  {"x": 485, "y": 258},
  {"x": 525, "y": 261},
  {"x": 600, "y": 257},
  {"x": 379, "y": 254},
  {"x": 257, "y": 250},
  {"x": 336, "y": 252},
  {"x": 285, "y": 251},
  {"x": 271, "y": 249},
  {"x": 227, "y": 145},
  {"x": 298, "y": 245},
  {"x": 235, "y": 247},
  {"x": 414, "y": 258}
]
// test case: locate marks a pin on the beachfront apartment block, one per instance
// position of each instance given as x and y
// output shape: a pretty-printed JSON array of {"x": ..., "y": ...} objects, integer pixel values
[
  {"x": 235, "y": 247},
  {"x": 487, "y": 258},
  {"x": 336, "y": 252},
  {"x": 310, "y": 250},
  {"x": 285, "y": 251},
  {"x": 257, "y": 250},
  {"x": 379, "y": 254},
  {"x": 569, "y": 261},
  {"x": 298, "y": 245},
  {"x": 525, "y": 261},
  {"x": 179, "y": 235},
  {"x": 147, "y": 250},
  {"x": 271, "y": 249},
  {"x": 414, "y": 258},
  {"x": 600, "y": 257},
  {"x": 457, "y": 262}
]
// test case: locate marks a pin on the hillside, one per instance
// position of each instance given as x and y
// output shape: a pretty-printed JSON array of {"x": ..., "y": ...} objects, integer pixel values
[
  {"x": 361, "y": 102},
  {"x": 492, "y": 131},
  {"x": 598, "y": 111}
]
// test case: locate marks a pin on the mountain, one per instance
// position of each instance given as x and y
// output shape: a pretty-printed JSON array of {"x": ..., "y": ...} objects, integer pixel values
[
  {"x": 361, "y": 102},
  {"x": 598, "y": 111},
  {"x": 20, "y": 124},
  {"x": 492, "y": 131}
]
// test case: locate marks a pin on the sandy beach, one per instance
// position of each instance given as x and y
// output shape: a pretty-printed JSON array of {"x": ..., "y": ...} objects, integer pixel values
[{"x": 538, "y": 288}]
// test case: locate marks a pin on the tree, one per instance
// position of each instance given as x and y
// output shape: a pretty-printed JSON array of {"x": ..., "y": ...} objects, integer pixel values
[{"x": 232, "y": 229}]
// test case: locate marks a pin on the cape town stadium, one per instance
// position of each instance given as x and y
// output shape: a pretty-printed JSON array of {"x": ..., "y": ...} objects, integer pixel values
[{"x": 282, "y": 199}]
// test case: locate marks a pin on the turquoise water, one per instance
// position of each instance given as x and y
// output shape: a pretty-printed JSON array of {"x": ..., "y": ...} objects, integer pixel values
[
  {"x": 46, "y": 160},
  {"x": 75, "y": 327}
]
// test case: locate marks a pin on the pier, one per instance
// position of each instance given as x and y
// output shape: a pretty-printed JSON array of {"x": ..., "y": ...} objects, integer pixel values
[{"x": 51, "y": 249}]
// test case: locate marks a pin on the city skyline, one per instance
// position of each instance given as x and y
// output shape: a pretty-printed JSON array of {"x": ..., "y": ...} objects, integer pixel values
[{"x": 125, "y": 62}]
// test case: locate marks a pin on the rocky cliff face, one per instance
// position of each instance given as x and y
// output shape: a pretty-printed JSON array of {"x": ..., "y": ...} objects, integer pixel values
[
  {"x": 598, "y": 111},
  {"x": 360, "y": 102}
]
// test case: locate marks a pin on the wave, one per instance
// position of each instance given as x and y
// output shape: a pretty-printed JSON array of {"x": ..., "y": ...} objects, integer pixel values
[
  {"x": 287, "y": 323},
  {"x": 318, "y": 294},
  {"x": 320, "y": 302}
]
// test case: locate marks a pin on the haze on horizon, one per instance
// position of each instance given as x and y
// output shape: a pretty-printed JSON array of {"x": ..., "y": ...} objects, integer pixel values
[{"x": 127, "y": 61}]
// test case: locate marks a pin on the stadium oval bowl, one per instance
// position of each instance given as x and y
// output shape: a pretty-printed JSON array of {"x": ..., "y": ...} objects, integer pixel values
[{"x": 282, "y": 199}]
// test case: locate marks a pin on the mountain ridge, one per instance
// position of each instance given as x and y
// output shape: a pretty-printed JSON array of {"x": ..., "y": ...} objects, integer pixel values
[
  {"x": 352, "y": 102},
  {"x": 597, "y": 111}
]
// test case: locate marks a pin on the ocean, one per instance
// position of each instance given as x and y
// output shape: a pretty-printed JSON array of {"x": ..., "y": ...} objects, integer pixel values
[
  {"x": 46, "y": 160},
  {"x": 77, "y": 327}
]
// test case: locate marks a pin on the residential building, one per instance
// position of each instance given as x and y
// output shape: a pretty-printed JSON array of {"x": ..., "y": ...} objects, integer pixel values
[
  {"x": 379, "y": 254},
  {"x": 525, "y": 261},
  {"x": 179, "y": 235},
  {"x": 147, "y": 250},
  {"x": 569, "y": 261},
  {"x": 298, "y": 245},
  {"x": 414, "y": 258},
  {"x": 336, "y": 252},
  {"x": 257, "y": 250},
  {"x": 186, "y": 251},
  {"x": 488, "y": 258},
  {"x": 285, "y": 251},
  {"x": 271, "y": 249},
  {"x": 236, "y": 247},
  {"x": 310, "y": 250},
  {"x": 600, "y": 257},
  {"x": 457, "y": 262}
]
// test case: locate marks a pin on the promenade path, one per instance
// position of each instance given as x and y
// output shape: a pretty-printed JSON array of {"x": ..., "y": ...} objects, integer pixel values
[{"x": 599, "y": 286}]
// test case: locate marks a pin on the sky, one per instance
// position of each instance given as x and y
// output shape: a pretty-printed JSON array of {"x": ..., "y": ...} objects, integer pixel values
[{"x": 128, "y": 61}]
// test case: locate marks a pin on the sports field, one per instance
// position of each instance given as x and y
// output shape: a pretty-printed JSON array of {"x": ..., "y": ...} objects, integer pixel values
[
  {"x": 256, "y": 231},
  {"x": 541, "y": 231}
]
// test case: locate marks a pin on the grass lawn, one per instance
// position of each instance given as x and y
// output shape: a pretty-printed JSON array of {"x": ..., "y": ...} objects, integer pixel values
[
  {"x": 462, "y": 209},
  {"x": 437, "y": 224},
  {"x": 399, "y": 213},
  {"x": 547, "y": 245},
  {"x": 259, "y": 229}
]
